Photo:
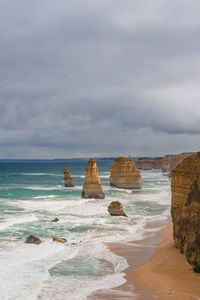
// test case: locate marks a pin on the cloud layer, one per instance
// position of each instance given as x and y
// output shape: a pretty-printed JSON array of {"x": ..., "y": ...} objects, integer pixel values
[{"x": 86, "y": 78}]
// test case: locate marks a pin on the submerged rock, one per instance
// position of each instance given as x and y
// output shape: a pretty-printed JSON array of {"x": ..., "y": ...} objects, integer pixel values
[
  {"x": 31, "y": 239},
  {"x": 55, "y": 220},
  {"x": 185, "y": 208},
  {"x": 124, "y": 174},
  {"x": 116, "y": 209},
  {"x": 59, "y": 240},
  {"x": 68, "y": 181},
  {"x": 144, "y": 163},
  {"x": 92, "y": 187}
]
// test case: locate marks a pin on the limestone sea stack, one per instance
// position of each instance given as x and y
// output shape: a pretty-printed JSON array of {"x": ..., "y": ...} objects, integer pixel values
[
  {"x": 68, "y": 181},
  {"x": 124, "y": 174},
  {"x": 92, "y": 187},
  {"x": 172, "y": 160},
  {"x": 116, "y": 209},
  {"x": 157, "y": 163},
  {"x": 185, "y": 208},
  {"x": 144, "y": 163}
]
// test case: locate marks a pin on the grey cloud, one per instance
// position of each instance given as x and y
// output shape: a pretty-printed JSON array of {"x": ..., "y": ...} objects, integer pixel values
[{"x": 87, "y": 77}]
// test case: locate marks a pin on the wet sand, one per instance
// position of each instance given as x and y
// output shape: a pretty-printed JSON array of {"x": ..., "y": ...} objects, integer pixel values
[{"x": 162, "y": 274}]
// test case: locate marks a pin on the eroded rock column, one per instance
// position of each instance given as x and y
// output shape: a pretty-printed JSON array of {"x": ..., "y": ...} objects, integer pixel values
[
  {"x": 68, "y": 181},
  {"x": 92, "y": 187}
]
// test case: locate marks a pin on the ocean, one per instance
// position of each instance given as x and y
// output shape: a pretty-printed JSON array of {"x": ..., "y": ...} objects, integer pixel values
[{"x": 32, "y": 194}]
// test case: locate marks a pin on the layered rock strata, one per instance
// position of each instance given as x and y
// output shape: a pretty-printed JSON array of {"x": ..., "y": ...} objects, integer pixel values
[
  {"x": 185, "y": 208},
  {"x": 92, "y": 187},
  {"x": 157, "y": 163},
  {"x": 144, "y": 163},
  {"x": 68, "y": 181},
  {"x": 124, "y": 174},
  {"x": 171, "y": 161},
  {"x": 116, "y": 209}
]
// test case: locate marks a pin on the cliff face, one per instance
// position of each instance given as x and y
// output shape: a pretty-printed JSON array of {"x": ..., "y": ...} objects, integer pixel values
[
  {"x": 124, "y": 174},
  {"x": 68, "y": 181},
  {"x": 185, "y": 208},
  {"x": 157, "y": 163},
  {"x": 92, "y": 187},
  {"x": 144, "y": 163},
  {"x": 171, "y": 161}
]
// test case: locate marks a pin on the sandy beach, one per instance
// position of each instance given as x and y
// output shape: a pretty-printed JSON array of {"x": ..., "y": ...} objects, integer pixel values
[
  {"x": 167, "y": 274},
  {"x": 161, "y": 273}
]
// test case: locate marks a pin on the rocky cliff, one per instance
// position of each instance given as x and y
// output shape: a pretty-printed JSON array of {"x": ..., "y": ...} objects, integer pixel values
[
  {"x": 92, "y": 187},
  {"x": 171, "y": 161},
  {"x": 68, "y": 181},
  {"x": 185, "y": 208},
  {"x": 144, "y": 163},
  {"x": 124, "y": 174},
  {"x": 157, "y": 163}
]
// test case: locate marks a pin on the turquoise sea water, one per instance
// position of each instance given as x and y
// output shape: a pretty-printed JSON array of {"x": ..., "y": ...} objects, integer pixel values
[{"x": 32, "y": 193}]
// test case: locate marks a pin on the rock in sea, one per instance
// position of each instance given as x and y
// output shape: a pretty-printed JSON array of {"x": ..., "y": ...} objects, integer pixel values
[
  {"x": 31, "y": 239},
  {"x": 124, "y": 174},
  {"x": 55, "y": 220},
  {"x": 59, "y": 240},
  {"x": 68, "y": 181},
  {"x": 92, "y": 187},
  {"x": 185, "y": 208},
  {"x": 144, "y": 163},
  {"x": 116, "y": 209},
  {"x": 157, "y": 162}
]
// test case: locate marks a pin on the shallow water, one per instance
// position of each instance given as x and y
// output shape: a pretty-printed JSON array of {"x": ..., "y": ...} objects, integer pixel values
[{"x": 32, "y": 194}]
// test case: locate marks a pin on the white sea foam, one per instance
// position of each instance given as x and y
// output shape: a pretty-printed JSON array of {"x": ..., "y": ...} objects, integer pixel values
[
  {"x": 44, "y": 197},
  {"x": 27, "y": 266},
  {"x": 44, "y": 188},
  {"x": 60, "y": 205},
  {"x": 79, "y": 287},
  {"x": 41, "y": 174},
  {"x": 17, "y": 220}
]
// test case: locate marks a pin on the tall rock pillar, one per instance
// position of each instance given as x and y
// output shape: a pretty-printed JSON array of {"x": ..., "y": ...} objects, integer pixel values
[
  {"x": 92, "y": 187},
  {"x": 68, "y": 181}
]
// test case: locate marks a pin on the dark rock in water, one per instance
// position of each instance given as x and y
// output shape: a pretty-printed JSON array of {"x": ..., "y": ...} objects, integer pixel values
[
  {"x": 116, "y": 209},
  {"x": 59, "y": 240},
  {"x": 31, "y": 239},
  {"x": 55, "y": 220}
]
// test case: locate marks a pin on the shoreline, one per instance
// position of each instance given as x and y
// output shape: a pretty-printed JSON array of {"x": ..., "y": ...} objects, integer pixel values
[
  {"x": 157, "y": 270},
  {"x": 136, "y": 253},
  {"x": 168, "y": 274}
]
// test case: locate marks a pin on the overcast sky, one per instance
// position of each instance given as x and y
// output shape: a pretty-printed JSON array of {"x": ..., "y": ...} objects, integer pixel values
[{"x": 92, "y": 78}]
